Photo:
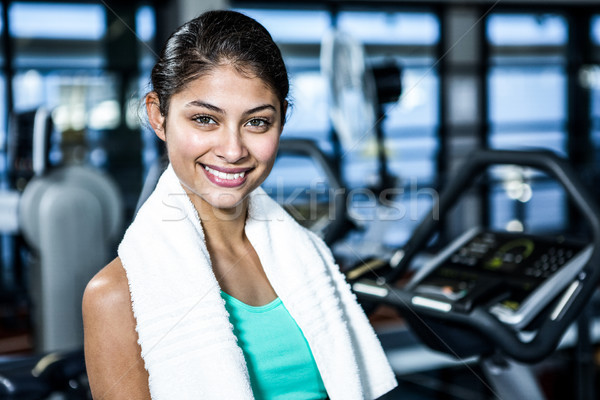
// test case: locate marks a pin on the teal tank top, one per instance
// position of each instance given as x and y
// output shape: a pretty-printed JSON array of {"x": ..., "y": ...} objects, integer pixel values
[{"x": 280, "y": 363}]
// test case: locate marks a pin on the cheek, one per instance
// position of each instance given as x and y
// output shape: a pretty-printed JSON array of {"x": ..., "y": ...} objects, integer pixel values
[
  {"x": 266, "y": 150},
  {"x": 184, "y": 145}
]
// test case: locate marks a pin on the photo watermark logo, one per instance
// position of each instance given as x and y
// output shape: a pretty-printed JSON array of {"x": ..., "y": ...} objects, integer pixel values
[{"x": 315, "y": 201}]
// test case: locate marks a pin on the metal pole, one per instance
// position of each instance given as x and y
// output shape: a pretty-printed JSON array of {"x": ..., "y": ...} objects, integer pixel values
[{"x": 511, "y": 380}]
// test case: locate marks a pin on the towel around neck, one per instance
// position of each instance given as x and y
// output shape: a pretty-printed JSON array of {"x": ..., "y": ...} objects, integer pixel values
[{"x": 187, "y": 342}]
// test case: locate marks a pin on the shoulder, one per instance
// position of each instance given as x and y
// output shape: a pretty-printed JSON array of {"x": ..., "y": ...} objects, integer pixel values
[
  {"x": 112, "y": 353},
  {"x": 108, "y": 290}
]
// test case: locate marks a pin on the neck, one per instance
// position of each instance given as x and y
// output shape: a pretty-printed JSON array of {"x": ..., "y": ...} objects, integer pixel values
[{"x": 223, "y": 227}]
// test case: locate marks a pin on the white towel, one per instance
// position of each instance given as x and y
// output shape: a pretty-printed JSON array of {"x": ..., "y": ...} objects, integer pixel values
[{"x": 187, "y": 341}]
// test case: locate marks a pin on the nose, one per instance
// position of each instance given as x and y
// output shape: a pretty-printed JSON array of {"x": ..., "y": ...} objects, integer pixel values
[{"x": 231, "y": 147}]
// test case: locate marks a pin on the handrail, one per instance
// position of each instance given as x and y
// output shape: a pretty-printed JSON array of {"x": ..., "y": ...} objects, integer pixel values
[{"x": 550, "y": 331}]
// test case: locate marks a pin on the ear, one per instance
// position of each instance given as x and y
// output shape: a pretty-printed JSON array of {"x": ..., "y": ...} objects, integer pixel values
[{"x": 156, "y": 119}]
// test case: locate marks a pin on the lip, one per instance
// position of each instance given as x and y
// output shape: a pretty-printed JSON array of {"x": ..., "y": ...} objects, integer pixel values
[{"x": 226, "y": 183}]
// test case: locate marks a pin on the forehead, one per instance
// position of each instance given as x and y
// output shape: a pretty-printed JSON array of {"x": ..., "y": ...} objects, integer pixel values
[{"x": 226, "y": 85}]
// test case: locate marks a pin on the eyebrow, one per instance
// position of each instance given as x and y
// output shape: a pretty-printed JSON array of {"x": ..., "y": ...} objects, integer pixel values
[
  {"x": 260, "y": 108},
  {"x": 198, "y": 103}
]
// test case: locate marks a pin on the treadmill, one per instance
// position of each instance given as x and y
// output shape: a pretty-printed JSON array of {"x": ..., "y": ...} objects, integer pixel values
[{"x": 506, "y": 298}]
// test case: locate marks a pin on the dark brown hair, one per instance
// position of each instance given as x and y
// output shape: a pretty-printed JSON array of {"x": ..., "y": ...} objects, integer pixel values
[{"x": 213, "y": 39}]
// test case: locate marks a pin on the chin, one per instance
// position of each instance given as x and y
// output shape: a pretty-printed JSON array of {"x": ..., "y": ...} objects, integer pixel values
[{"x": 225, "y": 201}]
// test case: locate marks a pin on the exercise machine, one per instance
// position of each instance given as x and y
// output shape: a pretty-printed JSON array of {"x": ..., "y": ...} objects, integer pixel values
[
  {"x": 41, "y": 377},
  {"x": 69, "y": 217},
  {"x": 506, "y": 298},
  {"x": 66, "y": 216}
]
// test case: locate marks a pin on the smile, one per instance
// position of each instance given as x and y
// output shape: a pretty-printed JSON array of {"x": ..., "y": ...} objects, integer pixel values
[
  {"x": 230, "y": 179},
  {"x": 223, "y": 175}
]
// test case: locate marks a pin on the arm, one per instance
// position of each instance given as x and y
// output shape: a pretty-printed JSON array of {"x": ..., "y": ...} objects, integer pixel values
[{"x": 114, "y": 364}]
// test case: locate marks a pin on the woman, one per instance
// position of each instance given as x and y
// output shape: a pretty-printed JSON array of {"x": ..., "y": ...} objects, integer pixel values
[{"x": 217, "y": 293}]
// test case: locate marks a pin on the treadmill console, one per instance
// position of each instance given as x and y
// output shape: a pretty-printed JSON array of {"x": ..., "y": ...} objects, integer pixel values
[{"x": 515, "y": 275}]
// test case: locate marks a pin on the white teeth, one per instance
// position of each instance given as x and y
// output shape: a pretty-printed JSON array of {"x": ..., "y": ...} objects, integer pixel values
[{"x": 223, "y": 175}]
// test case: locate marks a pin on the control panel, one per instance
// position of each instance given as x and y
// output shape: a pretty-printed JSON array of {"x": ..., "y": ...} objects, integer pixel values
[{"x": 514, "y": 274}]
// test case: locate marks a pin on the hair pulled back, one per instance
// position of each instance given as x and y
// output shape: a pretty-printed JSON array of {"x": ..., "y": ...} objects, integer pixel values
[{"x": 213, "y": 39}]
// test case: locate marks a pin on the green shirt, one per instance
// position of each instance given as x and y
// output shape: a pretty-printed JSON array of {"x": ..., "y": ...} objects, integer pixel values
[{"x": 280, "y": 363}]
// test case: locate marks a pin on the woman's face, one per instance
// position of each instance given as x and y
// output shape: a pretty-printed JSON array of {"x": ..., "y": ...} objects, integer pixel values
[{"x": 222, "y": 134}]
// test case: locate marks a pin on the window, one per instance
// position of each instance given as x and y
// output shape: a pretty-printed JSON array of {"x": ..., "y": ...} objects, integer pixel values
[
  {"x": 145, "y": 24},
  {"x": 59, "y": 56},
  {"x": 527, "y": 81},
  {"x": 145, "y": 31},
  {"x": 591, "y": 79},
  {"x": 527, "y": 100},
  {"x": 50, "y": 35},
  {"x": 3, "y": 135},
  {"x": 410, "y": 125}
]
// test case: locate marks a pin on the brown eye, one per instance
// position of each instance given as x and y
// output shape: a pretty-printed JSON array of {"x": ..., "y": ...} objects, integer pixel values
[
  {"x": 258, "y": 123},
  {"x": 204, "y": 120}
]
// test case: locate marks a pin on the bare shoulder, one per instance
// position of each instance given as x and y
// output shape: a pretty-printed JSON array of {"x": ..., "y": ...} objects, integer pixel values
[
  {"x": 112, "y": 353},
  {"x": 108, "y": 290}
]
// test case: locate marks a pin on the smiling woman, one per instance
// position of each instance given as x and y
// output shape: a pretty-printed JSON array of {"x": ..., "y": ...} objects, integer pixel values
[
  {"x": 223, "y": 131},
  {"x": 229, "y": 298}
]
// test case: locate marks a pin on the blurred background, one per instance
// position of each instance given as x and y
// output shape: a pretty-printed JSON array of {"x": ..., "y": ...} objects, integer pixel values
[{"x": 461, "y": 75}]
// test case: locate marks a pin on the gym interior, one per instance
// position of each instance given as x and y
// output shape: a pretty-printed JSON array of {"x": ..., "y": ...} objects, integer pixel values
[{"x": 446, "y": 150}]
